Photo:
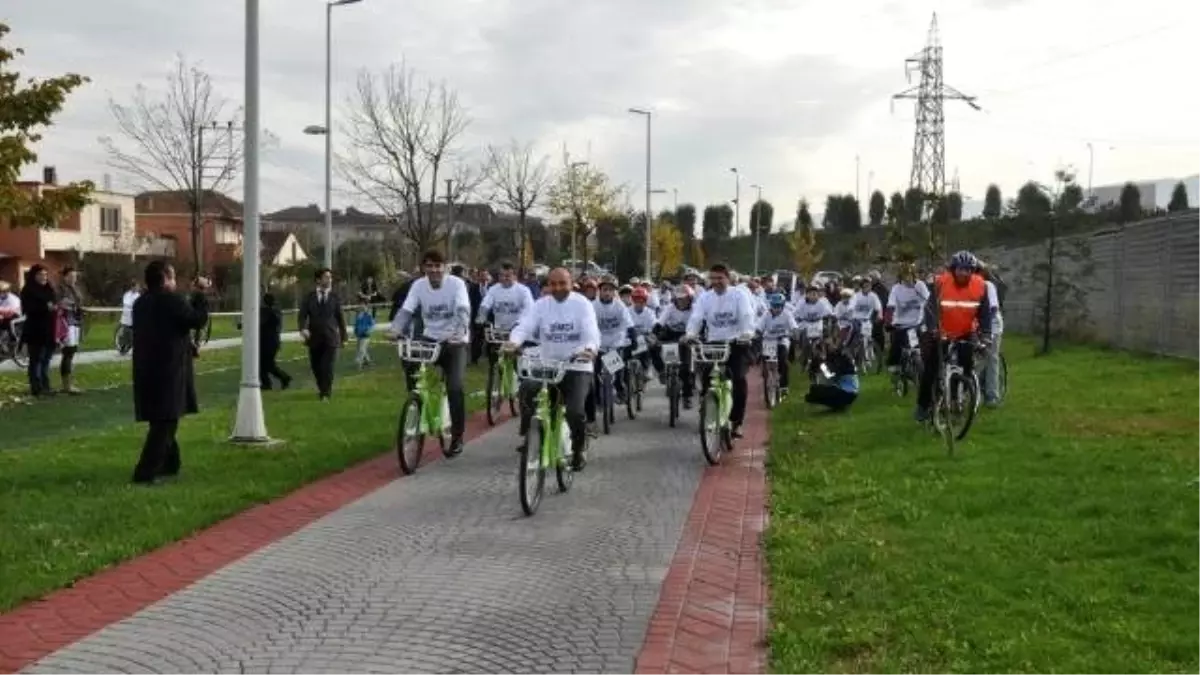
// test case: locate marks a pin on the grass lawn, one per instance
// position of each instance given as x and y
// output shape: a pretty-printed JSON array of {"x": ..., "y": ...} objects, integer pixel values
[
  {"x": 100, "y": 329},
  {"x": 1061, "y": 538},
  {"x": 67, "y": 509}
]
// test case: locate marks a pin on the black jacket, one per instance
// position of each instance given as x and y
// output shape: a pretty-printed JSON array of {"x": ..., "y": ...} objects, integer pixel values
[
  {"x": 325, "y": 323},
  {"x": 270, "y": 325},
  {"x": 38, "y": 305},
  {"x": 164, "y": 386}
]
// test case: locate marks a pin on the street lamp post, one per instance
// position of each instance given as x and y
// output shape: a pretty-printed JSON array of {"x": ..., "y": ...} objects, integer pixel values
[
  {"x": 649, "y": 116},
  {"x": 755, "y": 218},
  {"x": 249, "y": 424},
  {"x": 737, "y": 201},
  {"x": 575, "y": 222},
  {"x": 329, "y": 126}
]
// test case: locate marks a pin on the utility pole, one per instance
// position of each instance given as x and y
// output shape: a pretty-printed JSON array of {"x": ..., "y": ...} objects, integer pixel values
[
  {"x": 929, "y": 138},
  {"x": 198, "y": 191},
  {"x": 737, "y": 201}
]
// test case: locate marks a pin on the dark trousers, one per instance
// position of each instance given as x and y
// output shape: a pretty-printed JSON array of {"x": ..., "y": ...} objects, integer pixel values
[
  {"x": 160, "y": 452},
  {"x": 478, "y": 342},
  {"x": 67, "y": 363},
  {"x": 735, "y": 370},
  {"x": 38, "y": 370},
  {"x": 828, "y": 395},
  {"x": 897, "y": 345},
  {"x": 321, "y": 358},
  {"x": 931, "y": 361},
  {"x": 784, "y": 366},
  {"x": 453, "y": 361},
  {"x": 268, "y": 367},
  {"x": 574, "y": 389},
  {"x": 686, "y": 376}
]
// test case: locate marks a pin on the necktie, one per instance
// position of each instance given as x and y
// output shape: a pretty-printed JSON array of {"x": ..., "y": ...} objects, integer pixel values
[{"x": 321, "y": 297}]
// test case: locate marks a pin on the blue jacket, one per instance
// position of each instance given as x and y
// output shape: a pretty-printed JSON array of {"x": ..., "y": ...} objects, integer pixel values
[{"x": 363, "y": 323}]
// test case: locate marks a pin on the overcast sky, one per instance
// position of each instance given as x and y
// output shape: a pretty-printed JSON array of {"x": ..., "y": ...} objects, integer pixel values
[{"x": 787, "y": 91}]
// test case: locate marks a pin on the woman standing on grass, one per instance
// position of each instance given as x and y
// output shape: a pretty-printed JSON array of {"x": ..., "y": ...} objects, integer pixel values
[
  {"x": 70, "y": 303},
  {"x": 38, "y": 302}
]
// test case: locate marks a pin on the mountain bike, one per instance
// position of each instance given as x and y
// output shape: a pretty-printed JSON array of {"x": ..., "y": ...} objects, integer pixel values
[
  {"x": 123, "y": 338},
  {"x": 673, "y": 380},
  {"x": 604, "y": 388},
  {"x": 813, "y": 351},
  {"x": 955, "y": 396},
  {"x": 502, "y": 377},
  {"x": 548, "y": 443},
  {"x": 862, "y": 348},
  {"x": 772, "y": 393},
  {"x": 910, "y": 366},
  {"x": 716, "y": 432},
  {"x": 11, "y": 346},
  {"x": 427, "y": 410}
]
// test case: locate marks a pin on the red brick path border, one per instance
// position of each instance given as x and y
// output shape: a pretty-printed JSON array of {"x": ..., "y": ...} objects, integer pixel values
[
  {"x": 712, "y": 612},
  {"x": 63, "y": 617}
]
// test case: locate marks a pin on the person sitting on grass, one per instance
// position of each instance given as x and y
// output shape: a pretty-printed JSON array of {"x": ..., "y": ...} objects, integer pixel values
[{"x": 840, "y": 388}]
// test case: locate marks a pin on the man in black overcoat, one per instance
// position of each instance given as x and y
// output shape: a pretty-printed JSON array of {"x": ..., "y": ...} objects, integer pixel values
[
  {"x": 164, "y": 387},
  {"x": 323, "y": 329}
]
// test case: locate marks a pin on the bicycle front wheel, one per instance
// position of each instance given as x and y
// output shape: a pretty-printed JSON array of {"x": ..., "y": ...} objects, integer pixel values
[
  {"x": 494, "y": 399},
  {"x": 711, "y": 436},
  {"x": 964, "y": 402},
  {"x": 410, "y": 442},
  {"x": 770, "y": 384},
  {"x": 631, "y": 384},
  {"x": 531, "y": 476},
  {"x": 672, "y": 399}
]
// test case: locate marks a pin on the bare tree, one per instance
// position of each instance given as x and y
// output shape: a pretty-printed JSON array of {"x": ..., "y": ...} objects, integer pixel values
[
  {"x": 187, "y": 140},
  {"x": 520, "y": 183},
  {"x": 401, "y": 134}
]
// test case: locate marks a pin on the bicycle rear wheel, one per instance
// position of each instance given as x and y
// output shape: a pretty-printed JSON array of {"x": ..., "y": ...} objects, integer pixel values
[
  {"x": 410, "y": 442},
  {"x": 510, "y": 389},
  {"x": 711, "y": 436},
  {"x": 1002, "y": 378},
  {"x": 631, "y": 383},
  {"x": 605, "y": 396},
  {"x": 531, "y": 475},
  {"x": 770, "y": 384}
]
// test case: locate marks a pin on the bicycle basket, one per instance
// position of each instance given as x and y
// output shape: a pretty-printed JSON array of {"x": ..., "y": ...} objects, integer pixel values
[
  {"x": 711, "y": 352},
  {"x": 670, "y": 353},
  {"x": 418, "y": 351},
  {"x": 495, "y": 336},
  {"x": 535, "y": 369}
]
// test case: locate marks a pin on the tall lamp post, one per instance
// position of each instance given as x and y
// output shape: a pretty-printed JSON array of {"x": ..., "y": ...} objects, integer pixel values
[
  {"x": 649, "y": 116},
  {"x": 755, "y": 225},
  {"x": 737, "y": 201},
  {"x": 328, "y": 131},
  {"x": 575, "y": 223},
  {"x": 250, "y": 425}
]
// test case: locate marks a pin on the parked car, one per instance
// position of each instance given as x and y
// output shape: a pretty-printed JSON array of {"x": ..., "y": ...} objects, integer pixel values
[
  {"x": 579, "y": 267},
  {"x": 825, "y": 276}
]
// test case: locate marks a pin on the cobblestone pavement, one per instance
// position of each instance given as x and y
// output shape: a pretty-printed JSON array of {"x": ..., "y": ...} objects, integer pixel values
[{"x": 440, "y": 572}]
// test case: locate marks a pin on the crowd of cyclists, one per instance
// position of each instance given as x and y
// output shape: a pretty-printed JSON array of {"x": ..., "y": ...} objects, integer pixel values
[{"x": 836, "y": 334}]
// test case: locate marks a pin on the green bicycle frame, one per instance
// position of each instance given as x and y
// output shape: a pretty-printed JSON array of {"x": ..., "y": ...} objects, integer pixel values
[
  {"x": 432, "y": 392},
  {"x": 508, "y": 376},
  {"x": 551, "y": 453},
  {"x": 719, "y": 384}
]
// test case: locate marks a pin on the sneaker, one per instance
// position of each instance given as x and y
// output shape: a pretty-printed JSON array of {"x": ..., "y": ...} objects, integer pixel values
[
  {"x": 736, "y": 431},
  {"x": 578, "y": 461},
  {"x": 687, "y": 402},
  {"x": 592, "y": 430},
  {"x": 455, "y": 448},
  {"x": 921, "y": 414}
]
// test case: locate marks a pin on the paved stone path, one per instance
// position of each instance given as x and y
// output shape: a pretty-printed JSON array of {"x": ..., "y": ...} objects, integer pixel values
[{"x": 439, "y": 572}]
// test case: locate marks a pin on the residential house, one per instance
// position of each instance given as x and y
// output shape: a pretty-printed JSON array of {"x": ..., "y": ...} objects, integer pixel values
[
  {"x": 106, "y": 225},
  {"x": 280, "y": 249},
  {"x": 168, "y": 213},
  {"x": 308, "y": 224}
]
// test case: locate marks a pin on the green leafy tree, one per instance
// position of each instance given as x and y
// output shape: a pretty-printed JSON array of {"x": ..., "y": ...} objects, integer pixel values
[
  {"x": 1179, "y": 198},
  {"x": 803, "y": 217},
  {"x": 850, "y": 218},
  {"x": 762, "y": 214},
  {"x": 954, "y": 206},
  {"x": 583, "y": 194},
  {"x": 1070, "y": 197},
  {"x": 1032, "y": 201},
  {"x": 993, "y": 202},
  {"x": 716, "y": 226},
  {"x": 25, "y": 107},
  {"x": 1131, "y": 203},
  {"x": 685, "y": 222},
  {"x": 831, "y": 220},
  {"x": 895, "y": 210},
  {"x": 877, "y": 209},
  {"x": 914, "y": 205},
  {"x": 806, "y": 254}
]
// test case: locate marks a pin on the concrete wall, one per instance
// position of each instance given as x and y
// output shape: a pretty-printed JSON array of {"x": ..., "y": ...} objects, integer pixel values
[{"x": 1145, "y": 286}]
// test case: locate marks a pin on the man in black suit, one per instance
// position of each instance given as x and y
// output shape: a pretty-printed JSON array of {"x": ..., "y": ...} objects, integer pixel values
[
  {"x": 164, "y": 387},
  {"x": 323, "y": 329}
]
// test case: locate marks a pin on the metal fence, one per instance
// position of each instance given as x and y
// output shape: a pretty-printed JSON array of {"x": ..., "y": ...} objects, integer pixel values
[{"x": 1142, "y": 295}]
